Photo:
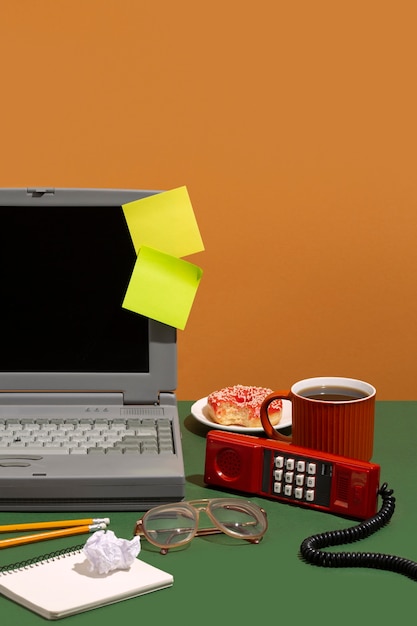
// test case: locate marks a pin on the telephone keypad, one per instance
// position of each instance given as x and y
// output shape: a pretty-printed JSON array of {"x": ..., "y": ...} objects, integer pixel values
[{"x": 301, "y": 479}]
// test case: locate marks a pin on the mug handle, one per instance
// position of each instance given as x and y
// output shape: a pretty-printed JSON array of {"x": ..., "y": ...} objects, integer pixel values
[{"x": 266, "y": 424}]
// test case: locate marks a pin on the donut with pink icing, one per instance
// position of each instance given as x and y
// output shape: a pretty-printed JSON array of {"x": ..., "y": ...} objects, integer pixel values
[{"x": 240, "y": 406}]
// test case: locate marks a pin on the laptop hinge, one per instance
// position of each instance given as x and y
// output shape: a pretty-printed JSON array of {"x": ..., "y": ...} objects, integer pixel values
[
  {"x": 40, "y": 191},
  {"x": 167, "y": 398},
  {"x": 55, "y": 398}
]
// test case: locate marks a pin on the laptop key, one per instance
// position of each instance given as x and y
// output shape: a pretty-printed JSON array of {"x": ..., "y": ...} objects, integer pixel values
[{"x": 149, "y": 448}]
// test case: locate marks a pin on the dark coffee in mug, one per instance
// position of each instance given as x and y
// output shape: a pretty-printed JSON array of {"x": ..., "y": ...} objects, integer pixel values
[{"x": 333, "y": 394}]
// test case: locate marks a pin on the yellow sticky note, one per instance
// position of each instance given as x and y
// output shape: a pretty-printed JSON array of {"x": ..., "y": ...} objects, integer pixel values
[
  {"x": 164, "y": 221},
  {"x": 162, "y": 287}
]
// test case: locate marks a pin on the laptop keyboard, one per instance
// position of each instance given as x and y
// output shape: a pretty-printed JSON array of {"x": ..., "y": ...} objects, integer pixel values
[{"x": 82, "y": 436}]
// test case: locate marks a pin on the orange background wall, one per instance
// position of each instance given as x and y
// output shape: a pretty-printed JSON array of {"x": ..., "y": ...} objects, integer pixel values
[{"x": 293, "y": 125}]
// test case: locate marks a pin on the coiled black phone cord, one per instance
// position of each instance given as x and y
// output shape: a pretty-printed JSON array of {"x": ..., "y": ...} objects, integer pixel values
[{"x": 311, "y": 548}]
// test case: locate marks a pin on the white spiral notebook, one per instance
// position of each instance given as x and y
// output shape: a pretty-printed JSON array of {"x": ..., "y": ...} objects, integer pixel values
[{"x": 58, "y": 585}]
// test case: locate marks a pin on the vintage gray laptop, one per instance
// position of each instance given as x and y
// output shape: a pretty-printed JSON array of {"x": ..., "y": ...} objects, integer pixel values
[{"x": 88, "y": 412}]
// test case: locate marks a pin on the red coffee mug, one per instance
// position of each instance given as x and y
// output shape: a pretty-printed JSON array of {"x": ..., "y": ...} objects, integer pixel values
[{"x": 329, "y": 414}]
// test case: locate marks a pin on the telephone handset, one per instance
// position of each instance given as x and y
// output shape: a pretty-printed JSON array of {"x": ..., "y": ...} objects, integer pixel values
[
  {"x": 292, "y": 474},
  {"x": 313, "y": 479}
]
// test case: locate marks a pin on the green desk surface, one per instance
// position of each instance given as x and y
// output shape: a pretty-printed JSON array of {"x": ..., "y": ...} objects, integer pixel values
[{"x": 218, "y": 580}]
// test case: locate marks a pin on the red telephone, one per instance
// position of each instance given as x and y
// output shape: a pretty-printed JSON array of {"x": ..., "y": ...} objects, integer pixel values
[{"x": 292, "y": 474}]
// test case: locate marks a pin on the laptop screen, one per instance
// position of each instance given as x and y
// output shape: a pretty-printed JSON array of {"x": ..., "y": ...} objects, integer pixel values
[
  {"x": 66, "y": 257},
  {"x": 64, "y": 274}
]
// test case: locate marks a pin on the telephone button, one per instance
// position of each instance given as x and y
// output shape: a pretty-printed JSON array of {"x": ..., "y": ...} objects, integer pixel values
[
  {"x": 279, "y": 462},
  {"x": 278, "y": 474},
  {"x": 311, "y": 468},
  {"x": 289, "y": 477},
  {"x": 301, "y": 466},
  {"x": 311, "y": 481},
  {"x": 310, "y": 495},
  {"x": 290, "y": 465}
]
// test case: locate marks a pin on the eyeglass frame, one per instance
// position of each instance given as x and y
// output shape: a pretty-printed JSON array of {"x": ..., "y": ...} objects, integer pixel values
[{"x": 203, "y": 505}]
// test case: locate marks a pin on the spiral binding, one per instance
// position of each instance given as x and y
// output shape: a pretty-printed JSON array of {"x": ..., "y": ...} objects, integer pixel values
[
  {"x": 311, "y": 548},
  {"x": 36, "y": 560}
]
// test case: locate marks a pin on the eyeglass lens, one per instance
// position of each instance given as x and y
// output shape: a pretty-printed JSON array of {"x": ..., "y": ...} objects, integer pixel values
[
  {"x": 238, "y": 519},
  {"x": 170, "y": 526}
]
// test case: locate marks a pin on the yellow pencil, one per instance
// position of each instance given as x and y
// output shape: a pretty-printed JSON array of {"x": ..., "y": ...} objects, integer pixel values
[
  {"x": 53, "y": 534},
  {"x": 9, "y": 528}
]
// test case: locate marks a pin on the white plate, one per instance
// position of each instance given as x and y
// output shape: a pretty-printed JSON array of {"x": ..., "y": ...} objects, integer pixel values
[{"x": 197, "y": 412}]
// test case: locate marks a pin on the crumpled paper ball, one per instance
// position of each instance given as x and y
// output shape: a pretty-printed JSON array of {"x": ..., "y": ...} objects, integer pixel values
[{"x": 106, "y": 552}]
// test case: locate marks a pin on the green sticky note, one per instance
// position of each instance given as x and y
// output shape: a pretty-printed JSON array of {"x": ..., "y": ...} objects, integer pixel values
[
  {"x": 164, "y": 221},
  {"x": 162, "y": 287}
]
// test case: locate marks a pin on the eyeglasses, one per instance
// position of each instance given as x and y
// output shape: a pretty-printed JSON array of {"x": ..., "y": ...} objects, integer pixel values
[{"x": 173, "y": 525}]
